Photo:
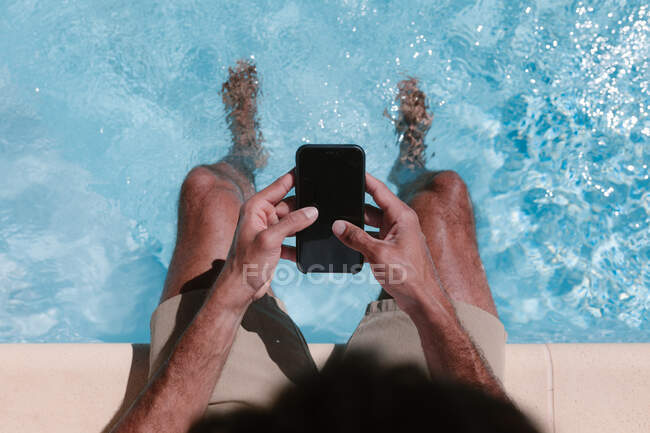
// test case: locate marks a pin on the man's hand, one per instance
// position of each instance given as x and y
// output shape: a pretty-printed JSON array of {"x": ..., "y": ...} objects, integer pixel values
[
  {"x": 398, "y": 255},
  {"x": 265, "y": 221},
  {"x": 178, "y": 392},
  {"x": 402, "y": 264}
]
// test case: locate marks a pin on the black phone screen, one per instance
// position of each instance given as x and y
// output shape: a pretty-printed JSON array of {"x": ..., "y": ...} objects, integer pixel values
[{"x": 332, "y": 178}]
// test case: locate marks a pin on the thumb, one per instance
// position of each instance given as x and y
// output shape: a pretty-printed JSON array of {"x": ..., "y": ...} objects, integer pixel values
[
  {"x": 294, "y": 222},
  {"x": 353, "y": 236}
]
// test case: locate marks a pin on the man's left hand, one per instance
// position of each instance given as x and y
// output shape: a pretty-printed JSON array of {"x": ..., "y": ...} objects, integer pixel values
[{"x": 265, "y": 220}]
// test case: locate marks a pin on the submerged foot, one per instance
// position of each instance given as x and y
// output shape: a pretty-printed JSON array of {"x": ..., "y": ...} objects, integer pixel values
[
  {"x": 239, "y": 95},
  {"x": 411, "y": 127}
]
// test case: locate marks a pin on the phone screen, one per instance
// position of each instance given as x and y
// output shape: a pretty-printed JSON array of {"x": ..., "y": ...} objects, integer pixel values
[{"x": 332, "y": 178}]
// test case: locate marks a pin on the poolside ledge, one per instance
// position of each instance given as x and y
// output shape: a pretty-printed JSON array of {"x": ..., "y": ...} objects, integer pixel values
[{"x": 564, "y": 387}]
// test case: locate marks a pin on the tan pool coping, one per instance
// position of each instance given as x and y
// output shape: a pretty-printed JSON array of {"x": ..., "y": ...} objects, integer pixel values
[{"x": 563, "y": 387}]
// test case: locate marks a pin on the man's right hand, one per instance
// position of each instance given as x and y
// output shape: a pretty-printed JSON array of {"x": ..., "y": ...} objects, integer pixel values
[
  {"x": 398, "y": 255},
  {"x": 402, "y": 263}
]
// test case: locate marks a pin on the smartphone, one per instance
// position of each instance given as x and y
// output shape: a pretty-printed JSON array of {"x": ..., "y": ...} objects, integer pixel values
[{"x": 332, "y": 178}]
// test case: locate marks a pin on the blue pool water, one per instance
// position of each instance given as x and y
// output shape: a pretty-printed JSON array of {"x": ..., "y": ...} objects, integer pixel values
[{"x": 542, "y": 106}]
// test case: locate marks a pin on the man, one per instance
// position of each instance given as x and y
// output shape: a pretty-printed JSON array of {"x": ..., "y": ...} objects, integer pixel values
[
  {"x": 222, "y": 341},
  {"x": 358, "y": 395}
]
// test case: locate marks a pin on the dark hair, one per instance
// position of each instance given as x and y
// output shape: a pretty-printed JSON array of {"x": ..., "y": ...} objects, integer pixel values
[{"x": 357, "y": 395}]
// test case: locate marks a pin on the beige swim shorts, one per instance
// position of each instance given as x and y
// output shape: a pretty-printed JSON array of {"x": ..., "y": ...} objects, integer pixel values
[{"x": 269, "y": 351}]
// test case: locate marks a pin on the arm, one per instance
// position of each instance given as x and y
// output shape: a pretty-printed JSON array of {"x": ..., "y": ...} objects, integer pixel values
[
  {"x": 402, "y": 264},
  {"x": 178, "y": 393},
  {"x": 448, "y": 347}
]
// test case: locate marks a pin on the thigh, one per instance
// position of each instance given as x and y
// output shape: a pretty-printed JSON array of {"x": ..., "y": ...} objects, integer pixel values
[
  {"x": 208, "y": 210},
  {"x": 268, "y": 353},
  {"x": 446, "y": 216},
  {"x": 390, "y": 334}
]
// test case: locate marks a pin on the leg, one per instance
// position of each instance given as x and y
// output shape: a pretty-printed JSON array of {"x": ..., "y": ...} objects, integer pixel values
[
  {"x": 211, "y": 195},
  {"x": 442, "y": 203},
  {"x": 445, "y": 212},
  {"x": 207, "y": 217},
  {"x": 269, "y": 351}
]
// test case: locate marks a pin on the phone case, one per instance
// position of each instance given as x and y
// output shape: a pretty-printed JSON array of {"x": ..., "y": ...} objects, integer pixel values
[{"x": 353, "y": 267}]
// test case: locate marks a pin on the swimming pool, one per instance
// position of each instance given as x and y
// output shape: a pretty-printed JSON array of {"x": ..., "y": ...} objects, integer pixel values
[{"x": 541, "y": 106}]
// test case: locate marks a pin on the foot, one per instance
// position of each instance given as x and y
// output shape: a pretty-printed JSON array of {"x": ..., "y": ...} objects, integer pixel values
[
  {"x": 411, "y": 127},
  {"x": 239, "y": 95}
]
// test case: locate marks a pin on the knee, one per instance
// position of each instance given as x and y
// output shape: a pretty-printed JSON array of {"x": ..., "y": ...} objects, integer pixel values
[
  {"x": 198, "y": 181},
  {"x": 450, "y": 188},
  {"x": 201, "y": 181},
  {"x": 451, "y": 184}
]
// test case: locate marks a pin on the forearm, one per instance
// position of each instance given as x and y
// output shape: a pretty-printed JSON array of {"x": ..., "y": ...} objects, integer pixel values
[
  {"x": 178, "y": 394},
  {"x": 447, "y": 347}
]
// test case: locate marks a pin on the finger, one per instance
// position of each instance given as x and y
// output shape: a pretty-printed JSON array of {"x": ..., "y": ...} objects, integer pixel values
[
  {"x": 288, "y": 253},
  {"x": 269, "y": 211},
  {"x": 279, "y": 188},
  {"x": 372, "y": 215},
  {"x": 293, "y": 222},
  {"x": 354, "y": 237},
  {"x": 375, "y": 235},
  {"x": 383, "y": 196},
  {"x": 287, "y": 205}
]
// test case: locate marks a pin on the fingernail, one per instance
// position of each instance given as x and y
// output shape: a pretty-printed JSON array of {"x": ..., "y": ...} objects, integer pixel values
[
  {"x": 311, "y": 212},
  {"x": 338, "y": 227}
]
